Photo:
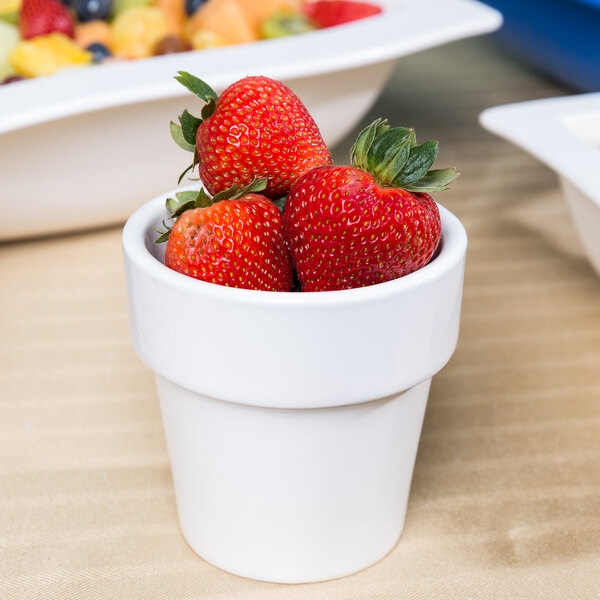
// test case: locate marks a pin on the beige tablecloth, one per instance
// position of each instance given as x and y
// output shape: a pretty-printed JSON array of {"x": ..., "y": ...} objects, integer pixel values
[{"x": 505, "y": 502}]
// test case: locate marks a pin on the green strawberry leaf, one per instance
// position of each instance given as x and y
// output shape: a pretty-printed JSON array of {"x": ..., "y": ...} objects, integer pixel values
[
  {"x": 419, "y": 162},
  {"x": 226, "y": 194},
  {"x": 197, "y": 86},
  {"x": 258, "y": 185},
  {"x": 179, "y": 139},
  {"x": 183, "y": 201},
  {"x": 280, "y": 203},
  {"x": 172, "y": 205},
  {"x": 189, "y": 127},
  {"x": 202, "y": 199},
  {"x": 406, "y": 133},
  {"x": 388, "y": 154},
  {"x": 164, "y": 233},
  {"x": 436, "y": 180},
  {"x": 182, "y": 198},
  {"x": 392, "y": 157},
  {"x": 360, "y": 149},
  {"x": 189, "y": 205},
  {"x": 234, "y": 192},
  {"x": 208, "y": 109}
]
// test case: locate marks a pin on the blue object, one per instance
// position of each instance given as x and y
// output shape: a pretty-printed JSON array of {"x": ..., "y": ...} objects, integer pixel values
[
  {"x": 191, "y": 6},
  {"x": 559, "y": 37},
  {"x": 89, "y": 10},
  {"x": 99, "y": 51}
]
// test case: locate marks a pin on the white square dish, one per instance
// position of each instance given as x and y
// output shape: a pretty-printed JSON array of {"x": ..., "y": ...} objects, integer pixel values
[
  {"x": 84, "y": 147},
  {"x": 564, "y": 134}
]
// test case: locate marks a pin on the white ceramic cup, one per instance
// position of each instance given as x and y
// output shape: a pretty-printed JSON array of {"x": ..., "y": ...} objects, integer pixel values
[{"x": 292, "y": 420}]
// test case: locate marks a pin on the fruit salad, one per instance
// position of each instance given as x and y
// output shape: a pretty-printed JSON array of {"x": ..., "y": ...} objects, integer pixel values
[
  {"x": 275, "y": 214},
  {"x": 40, "y": 37}
]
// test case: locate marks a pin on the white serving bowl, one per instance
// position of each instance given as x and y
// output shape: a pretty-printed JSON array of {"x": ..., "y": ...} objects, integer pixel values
[
  {"x": 292, "y": 420},
  {"x": 563, "y": 133},
  {"x": 85, "y": 147}
]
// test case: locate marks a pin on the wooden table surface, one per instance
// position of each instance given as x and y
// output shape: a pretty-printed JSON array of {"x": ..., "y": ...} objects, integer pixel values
[{"x": 505, "y": 502}]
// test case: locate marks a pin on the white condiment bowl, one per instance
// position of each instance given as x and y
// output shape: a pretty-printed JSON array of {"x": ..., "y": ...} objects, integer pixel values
[{"x": 293, "y": 419}]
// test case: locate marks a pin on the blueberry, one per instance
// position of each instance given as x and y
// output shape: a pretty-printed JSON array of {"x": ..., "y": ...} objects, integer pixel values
[
  {"x": 89, "y": 10},
  {"x": 191, "y": 6},
  {"x": 99, "y": 51}
]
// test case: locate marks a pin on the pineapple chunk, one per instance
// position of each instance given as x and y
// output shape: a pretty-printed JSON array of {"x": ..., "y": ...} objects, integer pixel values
[
  {"x": 203, "y": 39},
  {"x": 47, "y": 54},
  {"x": 136, "y": 31},
  {"x": 258, "y": 10}
]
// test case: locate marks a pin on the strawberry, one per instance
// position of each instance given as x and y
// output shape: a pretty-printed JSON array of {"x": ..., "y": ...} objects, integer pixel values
[
  {"x": 371, "y": 222},
  {"x": 233, "y": 239},
  {"x": 257, "y": 128},
  {"x": 328, "y": 13},
  {"x": 40, "y": 17}
]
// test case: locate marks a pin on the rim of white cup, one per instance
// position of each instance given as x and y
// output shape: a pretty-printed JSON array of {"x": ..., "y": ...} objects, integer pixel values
[{"x": 139, "y": 231}]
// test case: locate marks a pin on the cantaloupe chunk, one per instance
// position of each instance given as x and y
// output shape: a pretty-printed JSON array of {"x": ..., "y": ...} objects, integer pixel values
[
  {"x": 92, "y": 32},
  {"x": 226, "y": 18},
  {"x": 174, "y": 11}
]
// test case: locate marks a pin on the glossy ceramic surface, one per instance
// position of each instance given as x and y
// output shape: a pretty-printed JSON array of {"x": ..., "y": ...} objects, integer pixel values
[
  {"x": 348, "y": 346},
  {"x": 563, "y": 133},
  {"x": 292, "y": 419}
]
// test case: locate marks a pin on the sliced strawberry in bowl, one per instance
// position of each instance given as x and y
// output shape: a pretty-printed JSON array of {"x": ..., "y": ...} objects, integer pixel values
[
  {"x": 329, "y": 13},
  {"x": 41, "y": 17}
]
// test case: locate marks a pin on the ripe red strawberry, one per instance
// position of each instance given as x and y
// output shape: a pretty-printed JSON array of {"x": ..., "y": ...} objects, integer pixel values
[
  {"x": 328, "y": 13},
  {"x": 354, "y": 226},
  {"x": 257, "y": 128},
  {"x": 232, "y": 239},
  {"x": 40, "y": 17}
]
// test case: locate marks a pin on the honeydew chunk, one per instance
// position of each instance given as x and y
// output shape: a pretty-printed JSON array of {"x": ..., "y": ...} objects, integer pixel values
[
  {"x": 9, "y": 38},
  {"x": 258, "y": 10}
]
